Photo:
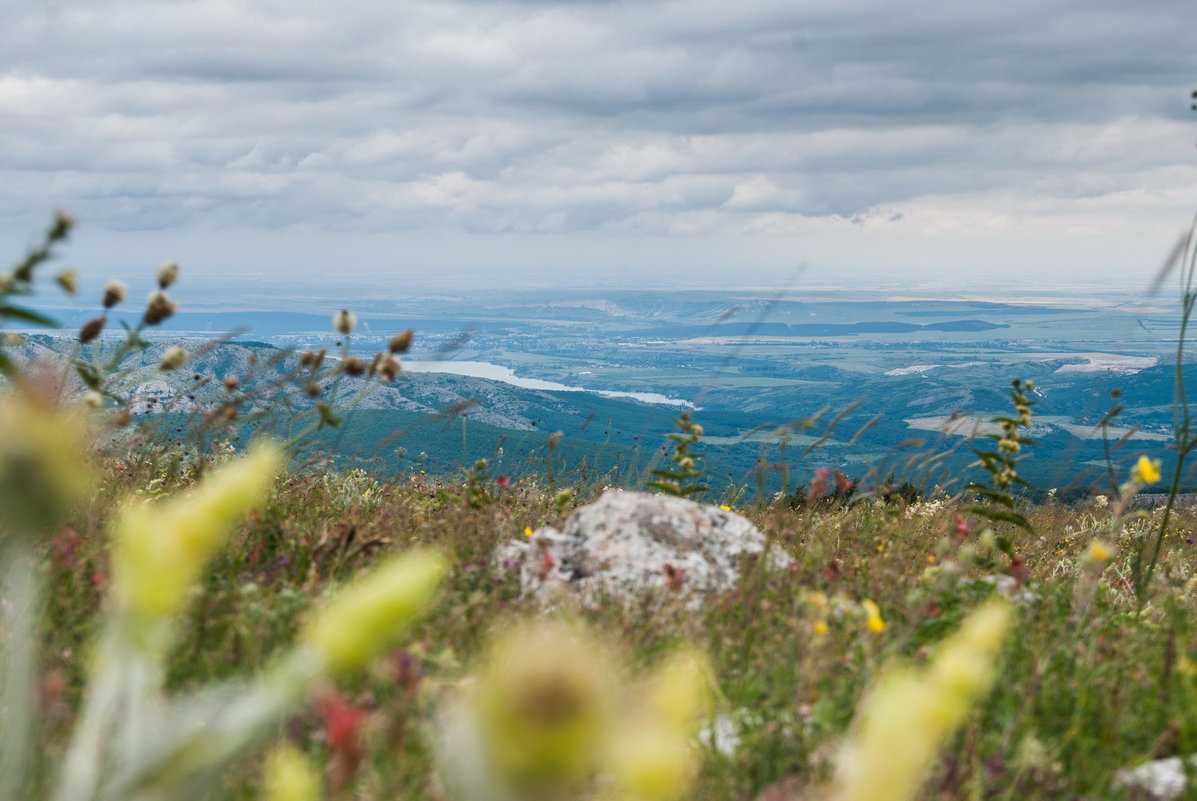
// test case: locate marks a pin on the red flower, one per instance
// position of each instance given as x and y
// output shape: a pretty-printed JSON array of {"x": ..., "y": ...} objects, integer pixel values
[
  {"x": 342, "y": 731},
  {"x": 503, "y": 481}
]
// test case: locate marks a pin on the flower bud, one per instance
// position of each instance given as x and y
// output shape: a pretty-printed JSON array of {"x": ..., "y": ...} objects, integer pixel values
[
  {"x": 68, "y": 280},
  {"x": 114, "y": 293},
  {"x": 158, "y": 307},
  {"x": 344, "y": 321},
  {"x": 364, "y": 619},
  {"x": 401, "y": 341},
  {"x": 91, "y": 329},
  {"x": 173, "y": 358},
  {"x": 168, "y": 273}
]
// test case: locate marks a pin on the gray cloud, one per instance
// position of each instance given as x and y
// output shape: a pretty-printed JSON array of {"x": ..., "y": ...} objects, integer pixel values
[{"x": 807, "y": 121}]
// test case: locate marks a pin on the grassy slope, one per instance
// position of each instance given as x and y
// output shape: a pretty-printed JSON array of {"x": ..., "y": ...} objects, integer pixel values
[{"x": 1085, "y": 686}]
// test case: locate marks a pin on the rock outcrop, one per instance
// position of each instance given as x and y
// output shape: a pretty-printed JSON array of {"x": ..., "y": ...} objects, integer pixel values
[{"x": 629, "y": 544}]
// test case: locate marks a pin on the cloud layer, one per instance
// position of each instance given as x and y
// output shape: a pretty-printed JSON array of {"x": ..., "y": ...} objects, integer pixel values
[{"x": 835, "y": 127}]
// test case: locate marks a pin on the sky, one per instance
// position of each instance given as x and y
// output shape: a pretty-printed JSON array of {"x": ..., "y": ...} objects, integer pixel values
[{"x": 412, "y": 145}]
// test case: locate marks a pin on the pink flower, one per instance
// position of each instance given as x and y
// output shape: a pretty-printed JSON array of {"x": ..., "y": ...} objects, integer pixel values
[{"x": 503, "y": 481}]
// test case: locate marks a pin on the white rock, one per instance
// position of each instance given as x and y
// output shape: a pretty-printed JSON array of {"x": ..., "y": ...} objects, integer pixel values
[{"x": 628, "y": 543}]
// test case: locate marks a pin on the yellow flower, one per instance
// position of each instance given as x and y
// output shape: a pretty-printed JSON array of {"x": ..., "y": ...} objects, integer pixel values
[
  {"x": 290, "y": 777},
  {"x": 43, "y": 462},
  {"x": 1100, "y": 551},
  {"x": 725, "y": 507},
  {"x": 821, "y": 627},
  {"x": 543, "y": 704},
  {"x": 1146, "y": 471},
  {"x": 873, "y": 620},
  {"x": 365, "y": 618},
  {"x": 650, "y": 754},
  {"x": 907, "y": 716},
  {"x": 160, "y": 550},
  {"x": 528, "y": 532}
]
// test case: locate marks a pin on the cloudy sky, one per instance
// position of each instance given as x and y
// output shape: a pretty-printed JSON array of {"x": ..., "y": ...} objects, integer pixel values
[{"x": 681, "y": 142}]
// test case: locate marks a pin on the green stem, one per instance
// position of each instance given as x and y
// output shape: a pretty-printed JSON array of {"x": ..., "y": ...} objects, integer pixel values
[{"x": 20, "y": 586}]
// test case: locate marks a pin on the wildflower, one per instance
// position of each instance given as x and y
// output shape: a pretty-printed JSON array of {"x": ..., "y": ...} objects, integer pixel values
[
  {"x": 91, "y": 329},
  {"x": 907, "y": 716},
  {"x": 542, "y": 706},
  {"x": 114, "y": 293},
  {"x": 821, "y": 627},
  {"x": 401, "y": 342},
  {"x": 158, "y": 307},
  {"x": 725, "y": 507},
  {"x": 502, "y": 481},
  {"x": 389, "y": 368},
  {"x": 1146, "y": 471},
  {"x": 1100, "y": 551},
  {"x": 364, "y": 618},
  {"x": 289, "y": 777},
  {"x": 173, "y": 358},
  {"x": 43, "y": 466},
  {"x": 344, "y": 322},
  {"x": 168, "y": 273},
  {"x": 818, "y": 485},
  {"x": 342, "y": 731},
  {"x": 68, "y": 281},
  {"x": 873, "y": 620},
  {"x": 528, "y": 532},
  {"x": 160, "y": 550}
]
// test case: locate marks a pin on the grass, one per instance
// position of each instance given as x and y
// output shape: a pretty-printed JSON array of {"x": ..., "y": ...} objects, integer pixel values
[{"x": 1087, "y": 685}]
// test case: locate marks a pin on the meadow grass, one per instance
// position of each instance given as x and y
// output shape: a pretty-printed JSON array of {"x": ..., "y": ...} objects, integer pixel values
[{"x": 1087, "y": 684}]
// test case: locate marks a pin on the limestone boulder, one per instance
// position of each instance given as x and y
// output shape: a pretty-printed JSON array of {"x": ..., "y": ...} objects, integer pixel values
[{"x": 629, "y": 544}]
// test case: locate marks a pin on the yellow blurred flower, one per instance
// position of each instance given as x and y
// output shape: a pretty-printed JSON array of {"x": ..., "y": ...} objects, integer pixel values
[
  {"x": 290, "y": 777},
  {"x": 365, "y": 618},
  {"x": 873, "y": 620},
  {"x": 1100, "y": 551},
  {"x": 1146, "y": 471},
  {"x": 909, "y": 713},
  {"x": 160, "y": 550},
  {"x": 528, "y": 532},
  {"x": 43, "y": 462},
  {"x": 821, "y": 627},
  {"x": 543, "y": 704}
]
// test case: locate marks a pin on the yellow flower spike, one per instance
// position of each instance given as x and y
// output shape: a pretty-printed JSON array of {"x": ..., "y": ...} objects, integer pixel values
[
  {"x": 290, "y": 777},
  {"x": 161, "y": 550},
  {"x": 873, "y": 620},
  {"x": 651, "y": 754},
  {"x": 651, "y": 762},
  {"x": 542, "y": 707},
  {"x": 677, "y": 693},
  {"x": 1146, "y": 471},
  {"x": 366, "y": 617},
  {"x": 43, "y": 466},
  {"x": 906, "y": 717}
]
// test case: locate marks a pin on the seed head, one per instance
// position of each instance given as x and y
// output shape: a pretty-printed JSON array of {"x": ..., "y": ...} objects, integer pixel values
[
  {"x": 168, "y": 273},
  {"x": 114, "y": 293},
  {"x": 91, "y": 329},
  {"x": 173, "y": 358},
  {"x": 401, "y": 341},
  {"x": 159, "y": 306},
  {"x": 68, "y": 280},
  {"x": 344, "y": 322}
]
